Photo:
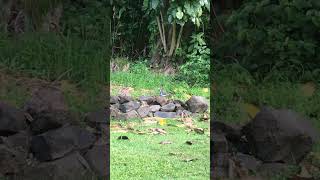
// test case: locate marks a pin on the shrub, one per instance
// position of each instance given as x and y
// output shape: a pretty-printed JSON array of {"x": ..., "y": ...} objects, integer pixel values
[
  {"x": 197, "y": 67},
  {"x": 264, "y": 35}
]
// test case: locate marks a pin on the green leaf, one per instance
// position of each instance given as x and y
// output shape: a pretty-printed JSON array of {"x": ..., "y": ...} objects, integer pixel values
[
  {"x": 145, "y": 4},
  {"x": 155, "y": 4},
  {"x": 179, "y": 14}
]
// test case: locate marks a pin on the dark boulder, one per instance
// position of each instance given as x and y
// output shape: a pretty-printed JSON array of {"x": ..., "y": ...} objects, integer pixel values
[
  {"x": 70, "y": 167},
  {"x": 220, "y": 143},
  {"x": 143, "y": 111},
  {"x": 130, "y": 115},
  {"x": 170, "y": 107},
  {"x": 184, "y": 113},
  {"x": 197, "y": 104},
  {"x": 95, "y": 119},
  {"x": 115, "y": 113},
  {"x": 161, "y": 100},
  {"x": 280, "y": 136},
  {"x": 148, "y": 99},
  {"x": 59, "y": 142},
  {"x": 19, "y": 142},
  {"x": 12, "y": 120},
  {"x": 247, "y": 161},
  {"x": 40, "y": 149},
  {"x": 180, "y": 105},
  {"x": 98, "y": 160},
  {"x": 155, "y": 108},
  {"x": 129, "y": 106},
  {"x": 234, "y": 136},
  {"x": 11, "y": 161},
  {"x": 273, "y": 169},
  {"x": 125, "y": 99},
  {"x": 165, "y": 114},
  {"x": 114, "y": 99},
  {"x": 48, "y": 109}
]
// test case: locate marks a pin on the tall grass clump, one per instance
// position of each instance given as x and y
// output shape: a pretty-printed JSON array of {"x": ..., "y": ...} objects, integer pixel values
[{"x": 54, "y": 57}]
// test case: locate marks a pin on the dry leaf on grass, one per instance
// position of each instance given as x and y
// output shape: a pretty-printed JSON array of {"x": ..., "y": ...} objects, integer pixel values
[
  {"x": 117, "y": 128},
  {"x": 189, "y": 125},
  {"x": 205, "y": 117},
  {"x": 139, "y": 132},
  {"x": 181, "y": 125},
  {"x": 189, "y": 159},
  {"x": 175, "y": 153},
  {"x": 199, "y": 130},
  {"x": 157, "y": 131},
  {"x": 130, "y": 126},
  {"x": 187, "y": 120},
  {"x": 150, "y": 120},
  {"x": 165, "y": 142}
]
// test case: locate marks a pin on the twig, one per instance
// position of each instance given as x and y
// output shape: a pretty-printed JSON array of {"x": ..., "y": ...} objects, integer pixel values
[{"x": 216, "y": 17}]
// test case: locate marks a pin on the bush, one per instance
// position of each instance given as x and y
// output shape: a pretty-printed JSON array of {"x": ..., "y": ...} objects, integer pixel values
[
  {"x": 197, "y": 67},
  {"x": 268, "y": 35}
]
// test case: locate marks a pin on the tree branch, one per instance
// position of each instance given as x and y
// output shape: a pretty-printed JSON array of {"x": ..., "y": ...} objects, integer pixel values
[
  {"x": 161, "y": 35},
  {"x": 163, "y": 30},
  {"x": 173, "y": 40},
  {"x": 179, "y": 36}
]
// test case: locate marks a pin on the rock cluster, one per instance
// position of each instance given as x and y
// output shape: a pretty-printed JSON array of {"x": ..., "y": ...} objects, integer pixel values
[
  {"x": 42, "y": 141},
  {"x": 266, "y": 146},
  {"x": 125, "y": 107}
]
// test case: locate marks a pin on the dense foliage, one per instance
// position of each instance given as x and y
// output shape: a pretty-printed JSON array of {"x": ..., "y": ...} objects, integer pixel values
[
  {"x": 167, "y": 33},
  {"x": 89, "y": 20},
  {"x": 265, "y": 36},
  {"x": 129, "y": 32},
  {"x": 196, "y": 69}
]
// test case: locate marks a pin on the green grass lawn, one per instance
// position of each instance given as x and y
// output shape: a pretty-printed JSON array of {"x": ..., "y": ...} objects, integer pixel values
[{"x": 143, "y": 157}]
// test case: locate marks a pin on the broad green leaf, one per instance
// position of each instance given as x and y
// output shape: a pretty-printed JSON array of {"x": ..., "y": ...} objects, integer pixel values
[
  {"x": 155, "y": 4},
  {"x": 179, "y": 14},
  {"x": 145, "y": 4}
]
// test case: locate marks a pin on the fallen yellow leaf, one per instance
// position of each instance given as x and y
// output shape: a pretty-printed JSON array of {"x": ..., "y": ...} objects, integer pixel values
[
  {"x": 205, "y": 90},
  {"x": 162, "y": 122},
  {"x": 251, "y": 109}
]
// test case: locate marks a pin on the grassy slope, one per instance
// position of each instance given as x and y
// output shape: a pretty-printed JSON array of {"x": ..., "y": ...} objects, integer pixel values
[
  {"x": 146, "y": 83},
  {"x": 235, "y": 87},
  {"x": 17, "y": 89},
  {"x": 78, "y": 65}
]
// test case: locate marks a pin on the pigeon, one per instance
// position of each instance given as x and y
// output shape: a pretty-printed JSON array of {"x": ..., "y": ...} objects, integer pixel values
[{"x": 162, "y": 92}]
